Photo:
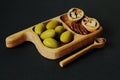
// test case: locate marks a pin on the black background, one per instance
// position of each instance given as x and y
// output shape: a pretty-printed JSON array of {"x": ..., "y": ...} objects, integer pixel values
[{"x": 25, "y": 63}]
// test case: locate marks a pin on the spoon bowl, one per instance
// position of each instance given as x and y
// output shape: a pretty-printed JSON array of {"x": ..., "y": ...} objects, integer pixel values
[{"x": 99, "y": 42}]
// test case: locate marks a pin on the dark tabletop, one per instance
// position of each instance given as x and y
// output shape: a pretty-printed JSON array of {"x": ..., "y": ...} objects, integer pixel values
[{"x": 25, "y": 63}]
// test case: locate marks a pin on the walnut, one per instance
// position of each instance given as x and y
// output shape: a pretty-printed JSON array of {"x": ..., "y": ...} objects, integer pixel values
[
  {"x": 91, "y": 24},
  {"x": 75, "y": 14}
]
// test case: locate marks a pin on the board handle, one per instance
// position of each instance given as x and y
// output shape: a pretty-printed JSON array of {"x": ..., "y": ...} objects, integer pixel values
[{"x": 15, "y": 39}]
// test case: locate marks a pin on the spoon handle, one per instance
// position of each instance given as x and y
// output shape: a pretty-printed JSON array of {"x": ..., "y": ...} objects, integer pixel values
[{"x": 75, "y": 56}]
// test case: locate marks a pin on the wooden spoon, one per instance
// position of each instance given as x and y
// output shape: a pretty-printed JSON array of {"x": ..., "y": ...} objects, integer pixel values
[{"x": 98, "y": 43}]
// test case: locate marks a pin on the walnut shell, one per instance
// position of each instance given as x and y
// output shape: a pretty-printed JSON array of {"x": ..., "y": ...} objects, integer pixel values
[
  {"x": 75, "y": 14},
  {"x": 91, "y": 24}
]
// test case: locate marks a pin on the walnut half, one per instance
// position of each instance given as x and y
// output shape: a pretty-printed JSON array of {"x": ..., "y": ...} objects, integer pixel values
[
  {"x": 75, "y": 14},
  {"x": 91, "y": 24}
]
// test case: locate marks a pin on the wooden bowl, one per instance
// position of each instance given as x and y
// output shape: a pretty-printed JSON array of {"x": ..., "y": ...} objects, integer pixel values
[{"x": 52, "y": 53}]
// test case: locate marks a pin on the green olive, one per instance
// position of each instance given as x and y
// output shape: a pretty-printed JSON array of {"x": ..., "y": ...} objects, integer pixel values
[
  {"x": 39, "y": 28},
  {"x": 48, "y": 33},
  {"x": 66, "y": 37},
  {"x": 50, "y": 42},
  {"x": 59, "y": 30},
  {"x": 52, "y": 24}
]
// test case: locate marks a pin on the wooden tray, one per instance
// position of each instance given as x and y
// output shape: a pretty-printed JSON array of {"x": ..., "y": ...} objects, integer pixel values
[{"x": 52, "y": 53}]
